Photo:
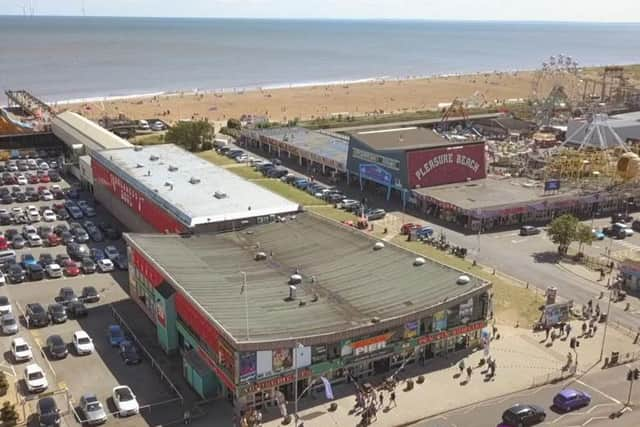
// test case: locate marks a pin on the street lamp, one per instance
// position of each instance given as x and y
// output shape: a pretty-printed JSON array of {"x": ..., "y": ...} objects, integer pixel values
[{"x": 296, "y": 348}]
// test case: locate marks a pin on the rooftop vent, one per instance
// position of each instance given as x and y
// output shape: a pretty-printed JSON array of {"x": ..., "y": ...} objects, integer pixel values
[
  {"x": 260, "y": 256},
  {"x": 168, "y": 184},
  {"x": 295, "y": 279},
  {"x": 419, "y": 261},
  {"x": 463, "y": 280},
  {"x": 137, "y": 148},
  {"x": 220, "y": 195},
  {"x": 139, "y": 165},
  {"x": 378, "y": 246},
  {"x": 172, "y": 168},
  {"x": 153, "y": 158},
  {"x": 194, "y": 180},
  {"x": 375, "y": 319}
]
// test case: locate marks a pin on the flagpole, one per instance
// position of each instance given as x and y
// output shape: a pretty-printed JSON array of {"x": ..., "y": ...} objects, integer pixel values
[{"x": 246, "y": 303}]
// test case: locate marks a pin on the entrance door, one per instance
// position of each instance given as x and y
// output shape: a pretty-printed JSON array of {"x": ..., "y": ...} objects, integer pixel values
[{"x": 381, "y": 366}]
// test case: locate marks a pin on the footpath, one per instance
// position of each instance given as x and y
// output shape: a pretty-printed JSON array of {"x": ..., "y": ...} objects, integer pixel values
[{"x": 524, "y": 359}]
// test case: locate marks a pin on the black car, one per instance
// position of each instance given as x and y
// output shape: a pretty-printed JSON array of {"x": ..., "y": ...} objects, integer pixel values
[
  {"x": 80, "y": 235},
  {"x": 87, "y": 265},
  {"x": 10, "y": 233},
  {"x": 277, "y": 172},
  {"x": 48, "y": 412},
  {"x": 523, "y": 415},
  {"x": 35, "y": 272},
  {"x": 77, "y": 309},
  {"x": 35, "y": 315},
  {"x": 59, "y": 229},
  {"x": 61, "y": 213},
  {"x": 89, "y": 294},
  {"x": 57, "y": 313},
  {"x": 121, "y": 262},
  {"x": 61, "y": 259},
  {"x": 45, "y": 259},
  {"x": 95, "y": 234},
  {"x": 57, "y": 347},
  {"x": 20, "y": 197},
  {"x": 66, "y": 296},
  {"x": 16, "y": 273},
  {"x": 5, "y": 218},
  {"x": 67, "y": 238},
  {"x": 129, "y": 353},
  {"x": 6, "y": 199}
]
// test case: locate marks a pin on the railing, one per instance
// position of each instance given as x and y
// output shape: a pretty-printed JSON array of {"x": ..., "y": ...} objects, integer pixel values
[
  {"x": 154, "y": 364},
  {"x": 554, "y": 376}
]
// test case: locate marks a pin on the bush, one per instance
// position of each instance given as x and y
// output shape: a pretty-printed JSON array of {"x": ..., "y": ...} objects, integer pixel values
[
  {"x": 4, "y": 384},
  {"x": 8, "y": 415},
  {"x": 234, "y": 124},
  {"x": 207, "y": 145},
  {"x": 420, "y": 379}
]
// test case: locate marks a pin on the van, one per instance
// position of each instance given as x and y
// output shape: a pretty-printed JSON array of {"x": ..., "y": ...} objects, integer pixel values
[
  {"x": 623, "y": 228},
  {"x": 7, "y": 256},
  {"x": 529, "y": 230}
]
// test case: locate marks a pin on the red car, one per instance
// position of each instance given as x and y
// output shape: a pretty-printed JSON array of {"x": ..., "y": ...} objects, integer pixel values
[
  {"x": 53, "y": 239},
  {"x": 406, "y": 228},
  {"x": 71, "y": 268},
  {"x": 33, "y": 179},
  {"x": 4, "y": 245},
  {"x": 41, "y": 188},
  {"x": 45, "y": 179}
]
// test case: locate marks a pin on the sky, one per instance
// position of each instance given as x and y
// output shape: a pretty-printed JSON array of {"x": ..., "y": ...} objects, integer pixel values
[{"x": 495, "y": 10}]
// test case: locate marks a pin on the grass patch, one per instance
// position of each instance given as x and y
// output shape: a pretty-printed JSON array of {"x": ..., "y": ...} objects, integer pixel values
[
  {"x": 216, "y": 158},
  {"x": 289, "y": 192},
  {"x": 512, "y": 303},
  {"x": 333, "y": 213},
  {"x": 247, "y": 172},
  {"x": 150, "y": 139}
]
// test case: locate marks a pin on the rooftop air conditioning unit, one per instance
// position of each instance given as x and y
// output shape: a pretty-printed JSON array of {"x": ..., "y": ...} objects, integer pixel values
[
  {"x": 139, "y": 165},
  {"x": 261, "y": 256},
  {"x": 463, "y": 280},
  {"x": 419, "y": 261},
  {"x": 295, "y": 279},
  {"x": 172, "y": 168},
  {"x": 220, "y": 195},
  {"x": 153, "y": 158},
  {"x": 194, "y": 180},
  {"x": 378, "y": 246}
]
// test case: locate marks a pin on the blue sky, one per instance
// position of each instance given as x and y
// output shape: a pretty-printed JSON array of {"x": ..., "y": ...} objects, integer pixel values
[{"x": 519, "y": 10}]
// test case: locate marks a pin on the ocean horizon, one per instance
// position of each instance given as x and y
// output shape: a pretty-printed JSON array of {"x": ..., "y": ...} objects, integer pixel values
[{"x": 93, "y": 58}]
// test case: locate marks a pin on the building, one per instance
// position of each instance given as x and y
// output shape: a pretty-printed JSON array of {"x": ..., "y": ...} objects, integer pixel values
[
  {"x": 166, "y": 189},
  {"x": 604, "y": 132},
  {"x": 319, "y": 151},
  {"x": 251, "y": 311},
  {"x": 401, "y": 159},
  {"x": 504, "y": 127},
  {"x": 497, "y": 202}
]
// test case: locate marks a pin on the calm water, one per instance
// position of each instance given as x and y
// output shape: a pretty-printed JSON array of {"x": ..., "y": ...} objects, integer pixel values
[{"x": 61, "y": 58}]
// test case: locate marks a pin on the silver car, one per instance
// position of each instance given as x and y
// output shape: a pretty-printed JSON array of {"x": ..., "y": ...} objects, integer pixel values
[
  {"x": 9, "y": 324},
  {"x": 92, "y": 410}
]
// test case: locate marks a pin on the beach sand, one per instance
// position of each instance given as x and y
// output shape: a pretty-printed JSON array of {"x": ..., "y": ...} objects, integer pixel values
[{"x": 325, "y": 101}]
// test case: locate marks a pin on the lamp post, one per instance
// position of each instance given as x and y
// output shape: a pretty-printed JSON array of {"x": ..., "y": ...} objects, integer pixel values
[
  {"x": 296, "y": 348},
  {"x": 606, "y": 322},
  {"x": 246, "y": 303}
]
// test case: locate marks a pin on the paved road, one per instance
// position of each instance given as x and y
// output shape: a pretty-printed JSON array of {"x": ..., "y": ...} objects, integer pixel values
[{"x": 608, "y": 388}]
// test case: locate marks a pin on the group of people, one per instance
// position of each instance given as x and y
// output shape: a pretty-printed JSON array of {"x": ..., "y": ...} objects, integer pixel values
[
  {"x": 369, "y": 402},
  {"x": 252, "y": 418},
  {"x": 490, "y": 372}
]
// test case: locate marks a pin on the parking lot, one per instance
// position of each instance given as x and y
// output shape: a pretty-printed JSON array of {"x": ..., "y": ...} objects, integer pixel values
[{"x": 73, "y": 376}]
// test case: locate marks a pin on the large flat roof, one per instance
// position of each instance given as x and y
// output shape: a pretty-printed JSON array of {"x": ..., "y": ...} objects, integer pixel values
[
  {"x": 404, "y": 138},
  {"x": 496, "y": 193},
  {"x": 353, "y": 282},
  {"x": 329, "y": 146},
  {"x": 192, "y": 202},
  {"x": 73, "y": 128}
]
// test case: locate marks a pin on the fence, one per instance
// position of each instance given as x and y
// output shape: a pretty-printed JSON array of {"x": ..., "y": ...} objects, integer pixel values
[
  {"x": 553, "y": 377},
  {"x": 154, "y": 364}
]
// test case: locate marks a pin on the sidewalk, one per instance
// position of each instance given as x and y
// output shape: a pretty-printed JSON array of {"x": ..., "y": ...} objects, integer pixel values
[
  {"x": 582, "y": 271},
  {"x": 522, "y": 358}
]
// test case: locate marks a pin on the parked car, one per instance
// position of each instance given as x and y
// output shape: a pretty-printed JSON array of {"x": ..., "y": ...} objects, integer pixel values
[
  {"x": 87, "y": 265},
  {"x": 105, "y": 265},
  {"x": 92, "y": 409},
  {"x": 48, "y": 215},
  {"x": 20, "y": 350},
  {"x": 18, "y": 242},
  {"x": 375, "y": 214},
  {"x": 82, "y": 343},
  {"x": 35, "y": 378},
  {"x": 597, "y": 234},
  {"x": 35, "y": 315},
  {"x": 48, "y": 412},
  {"x": 129, "y": 353},
  {"x": 125, "y": 401},
  {"x": 53, "y": 240},
  {"x": 9, "y": 324},
  {"x": 56, "y": 347},
  {"x": 75, "y": 212},
  {"x": 57, "y": 313},
  {"x": 89, "y": 294},
  {"x": 523, "y": 415},
  {"x": 529, "y": 230},
  {"x": 111, "y": 252},
  {"x": 76, "y": 309},
  {"x": 35, "y": 272},
  {"x": 34, "y": 240},
  {"x": 115, "y": 335},
  {"x": 71, "y": 269},
  {"x": 569, "y": 399},
  {"x": 66, "y": 295},
  {"x": 5, "y": 305},
  {"x": 122, "y": 263},
  {"x": 16, "y": 273}
]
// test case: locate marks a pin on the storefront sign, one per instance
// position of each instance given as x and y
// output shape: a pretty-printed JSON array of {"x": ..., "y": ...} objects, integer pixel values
[
  {"x": 440, "y": 321},
  {"x": 437, "y": 166},
  {"x": 552, "y": 185},
  {"x": 428, "y": 339},
  {"x": 466, "y": 311},
  {"x": 248, "y": 366},
  {"x": 376, "y": 174},
  {"x": 318, "y": 354},
  {"x": 277, "y": 381},
  {"x": 411, "y": 329},
  {"x": 145, "y": 268},
  {"x": 282, "y": 359},
  {"x": 368, "y": 345}
]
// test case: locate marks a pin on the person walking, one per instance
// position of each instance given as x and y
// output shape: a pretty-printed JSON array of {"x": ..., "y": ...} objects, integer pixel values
[
  {"x": 469, "y": 371},
  {"x": 381, "y": 400},
  {"x": 568, "y": 329},
  {"x": 461, "y": 366},
  {"x": 392, "y": 399}
]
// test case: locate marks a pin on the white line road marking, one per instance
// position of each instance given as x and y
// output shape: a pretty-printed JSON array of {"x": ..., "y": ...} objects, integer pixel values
[
  {"x": 518, "y": 241},
  {"x": 613, "y": 399},
  {"x": 594, "y": 407}
]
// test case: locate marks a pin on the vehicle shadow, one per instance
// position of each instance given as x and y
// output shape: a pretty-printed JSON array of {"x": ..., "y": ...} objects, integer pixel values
[{"x": 546, "y": 257}]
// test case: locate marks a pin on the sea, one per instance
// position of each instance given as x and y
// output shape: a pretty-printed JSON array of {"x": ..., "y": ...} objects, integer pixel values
[{"x": 71, "y": 58}]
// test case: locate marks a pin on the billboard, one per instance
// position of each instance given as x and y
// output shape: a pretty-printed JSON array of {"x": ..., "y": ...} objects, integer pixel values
[
  {"x": 139, "y": 203},
  {"x": 552, "y": 185},
  {"x": 375, "y": 173},
  {"x": 446, "y": 165},
  {"x": 557, "y": 313}
]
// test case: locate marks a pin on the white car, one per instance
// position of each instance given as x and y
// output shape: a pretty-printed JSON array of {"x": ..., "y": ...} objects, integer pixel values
[
  {"x": 20, "y": 350},
  {"x": 242, "y": 159},
  {"x": 48, "y": 215},
  {"x": 34, "y": 240},
  {"x": 44, "y": 166},
  {"x": 55, "y": 187},
  {"x": 105, "y": 265},
  {"x": 143, "y": 125},
  {"x": 157, "y": 126},
  {"x": 3, "y": 280},
  {"x": 5, "y": 305},
  {"x": 125, "y": 401},
  {"x": 35, "y": 379},
  {"x": 17, "y": 211},
  {"x": 111, "y": 252},
  {"x": 54, "y": 270},
  {"x": 46, "y": 195},
  {"x": 22, "y": 180},
  {"x": 82, "y": 343},
  {"x": 33, "y": 214}
]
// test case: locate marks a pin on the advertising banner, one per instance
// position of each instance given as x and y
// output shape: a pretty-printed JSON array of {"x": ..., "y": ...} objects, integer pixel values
[
  {"x": 440, "y": 321},
  {"x": 557, "y": 313},
  {"x": 282, "y": 359},
  {"x": 376, "y": 173},
  {"x": 318, "y": 354},
  {"x": 437, "y": 166},
  {"x": 552, "y": 185},
  {"x": 466, "y": 311},
  {"x": 411, "y": 329},
  {"x": 248, "y": 366}
]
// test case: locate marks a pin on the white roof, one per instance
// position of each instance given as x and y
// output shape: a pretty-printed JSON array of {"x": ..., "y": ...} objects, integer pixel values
[
  {"x": 74, "y": 129},
  {"x": 188, "y": 190}
]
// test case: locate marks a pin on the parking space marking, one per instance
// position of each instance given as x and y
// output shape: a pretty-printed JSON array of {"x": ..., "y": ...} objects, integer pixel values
[
  {"x": 594, "y": 407},
  {"x": 62, "y": 385},
  {"x": 602, "y": 393},
  {"x": 518, "y": 241}
]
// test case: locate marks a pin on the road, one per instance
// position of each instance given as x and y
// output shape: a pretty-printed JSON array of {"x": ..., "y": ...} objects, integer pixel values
[{"x": 608, "y": 388}]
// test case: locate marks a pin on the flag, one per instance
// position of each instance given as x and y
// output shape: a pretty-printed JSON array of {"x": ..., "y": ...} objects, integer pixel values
[{"x": 328, "y": 392}]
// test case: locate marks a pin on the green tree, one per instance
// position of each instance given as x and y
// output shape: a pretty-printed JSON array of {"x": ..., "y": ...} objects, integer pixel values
[
  {"x": 8, "y": 415},
  {"x": 563, "y": 232},
  {"x": 4, "y": 383},
  {"x": 234, "y": 124},
  {"x": 584, "y": 236},
  {"x": 190, "y": 135}
]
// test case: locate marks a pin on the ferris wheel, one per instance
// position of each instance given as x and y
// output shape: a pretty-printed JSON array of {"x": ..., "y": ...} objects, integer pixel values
[{"x": 554, "y": 87}]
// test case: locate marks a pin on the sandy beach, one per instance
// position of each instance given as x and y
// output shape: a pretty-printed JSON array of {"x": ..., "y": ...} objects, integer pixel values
[{"x": 307, "y": 103}]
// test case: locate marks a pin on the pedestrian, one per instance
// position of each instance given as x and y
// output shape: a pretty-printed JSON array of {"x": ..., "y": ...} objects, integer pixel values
[
  {"x": 584, "y": 327},
  {"x": 259, "y": 418},
  {"x": 568, "y": 329},
  {"x": 374, "y": 412},
  {"x": 461, "y": 366},
  {"x": 595, "y": 328},
  {"x": 187, "y": 417},
  {"x": 492, "y": 368},
  {"x": 469, "y": 371},
  {"x": 392, "y": 399},
  {"x": 381, "y": 399},
  {"x": 546, "y": 330}
]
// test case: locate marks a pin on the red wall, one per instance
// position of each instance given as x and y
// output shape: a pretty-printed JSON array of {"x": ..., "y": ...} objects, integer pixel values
[
  {"x": 437, "y": 166},
  {"x": 197, "y": 322},
  {"x": 149, "y": 211},
  {"x": 146, "y": 269}
]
